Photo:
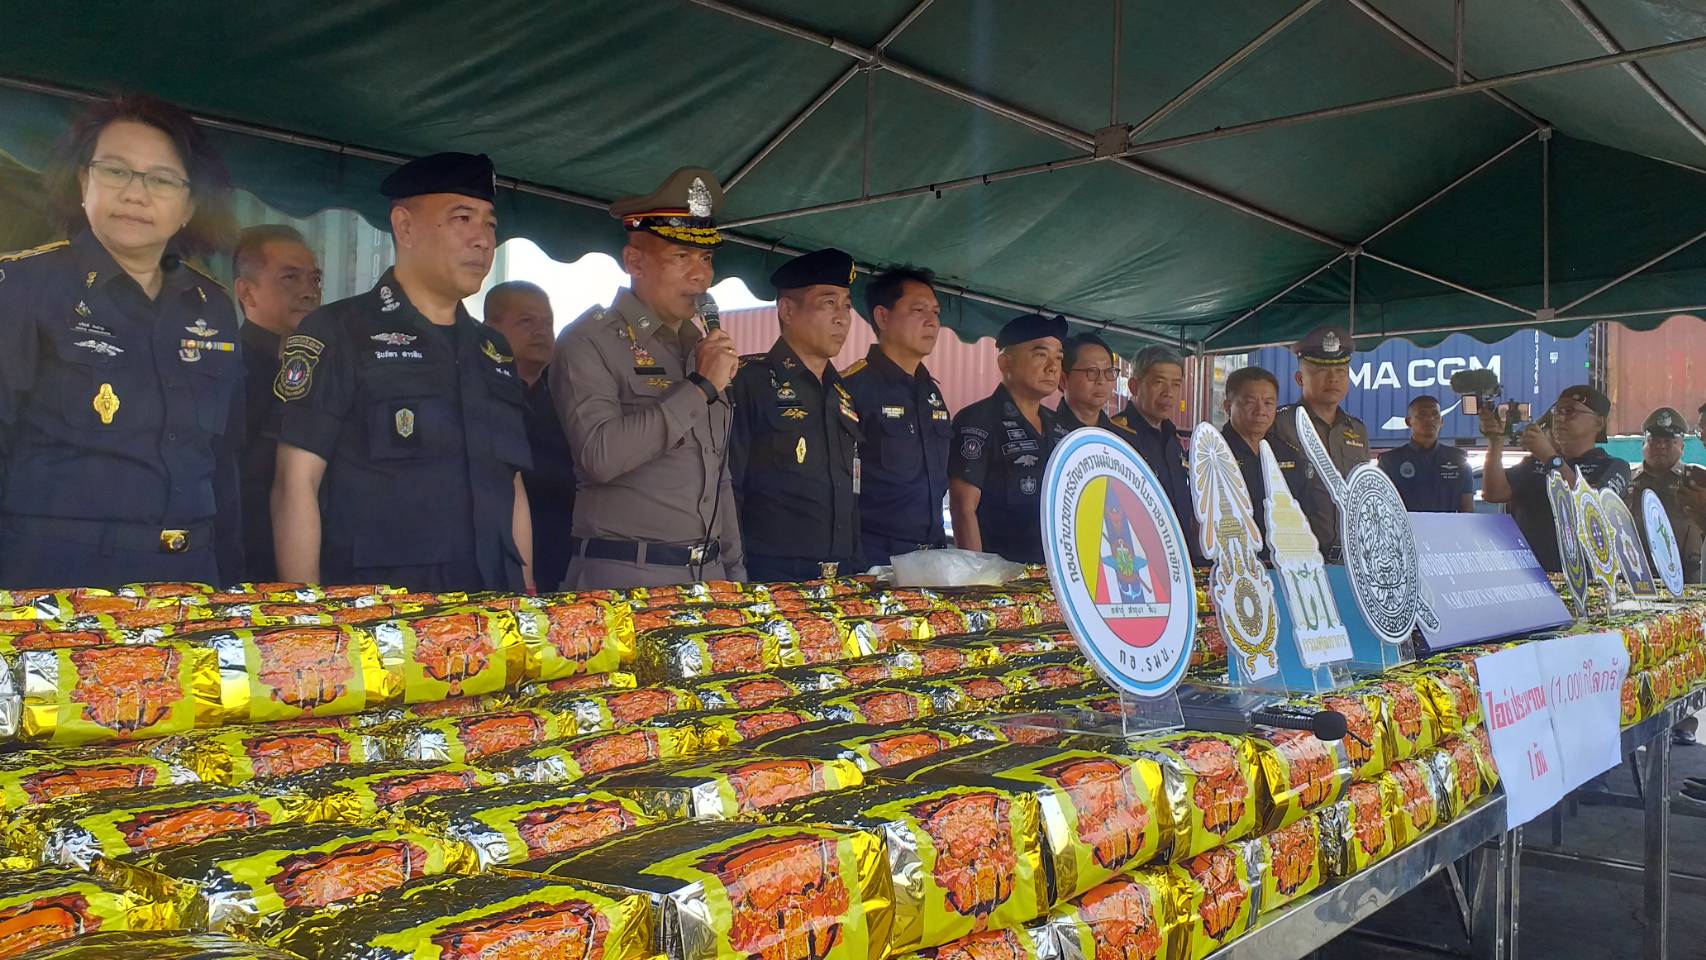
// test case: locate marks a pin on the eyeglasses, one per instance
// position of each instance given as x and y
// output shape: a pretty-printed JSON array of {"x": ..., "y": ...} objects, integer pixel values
[
  {"x": 1096, "y": 374},
  {"x": 117, "y": 176}
]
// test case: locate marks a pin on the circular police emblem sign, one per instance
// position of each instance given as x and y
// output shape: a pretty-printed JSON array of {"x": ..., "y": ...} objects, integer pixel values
[
  {"x": 1599, "y": 540},
  {"x": 1381, "y": 555},
  {"x": 1661, "y": 542},
  {"x": 1571, "y": 556},
  {"x": 1119, "y": 563}
]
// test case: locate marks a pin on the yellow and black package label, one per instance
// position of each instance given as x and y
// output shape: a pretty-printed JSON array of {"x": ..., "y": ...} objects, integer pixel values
[
  {"x": 514, "y": 822},
  {"x": 722, "y": 592},
  {"x": 78, "y": 695},
  {"x": 879, "y": 705},
  {"x": 711, "y": 731},
  {"x": 1292, "y": 863},
  {"x": 1367, "y": 742},
  {"x": 1454, "y": 695},
  {"x": 871, "y": 747},
  {"x": 695, "y": 615},
  {"x": 956, "y": 655},
  {"x": 456, "y": 652},
  {"x": 580, "y": 683},
  {"x": 475, "y": 918},
  {"x": 1356, "y": 832},
  {"x": 1412, "y": 727},
  {"x": 1299, "y": 774},
  {"x": 866, "y": 636},
  {"x": 359, "y": 793},
  {"x": 1211, "y": 788},
  {"x": 739, "y": 891},
  {"x": 39, "y": 908},
  {"x": 282, "y": 673},
  {"x": 609, "y": 709},
  {"x": 674, "y": 654},
  {"x": 1219, "y": 889},
  {"x": 37, "y": 776},
  {"x": 1009, "y": 943},
  {"x": 1032, "y": 728},
  {"x": 575, "y": 758},
  {"x": 433, "y": 710},
  {"x": 566, "y": 638},
  {"x": 962, "y": 859},
  {"x": 1101, "y": 813},
  {"x": 1136, "y": 915},
  {"x": 237, "y": 755},
  {"x": 728, "y": 787},
  {"x": 163, "y": 945},
  {"x": 742, "y": 692},
  {"x": 232, "y": 881},
  {"x": 1047, "y": 671},
  {"x": 1484, "y": 755},
  {"x": 1414, "y": 800},
  {"x": 958, "y": 693},
  {"x": 74, "y": 831},
  {"x": 465, "y": 739}
]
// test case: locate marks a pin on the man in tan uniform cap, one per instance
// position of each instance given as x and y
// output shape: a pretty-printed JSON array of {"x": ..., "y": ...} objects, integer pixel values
[{"x": 641, "y": 392}]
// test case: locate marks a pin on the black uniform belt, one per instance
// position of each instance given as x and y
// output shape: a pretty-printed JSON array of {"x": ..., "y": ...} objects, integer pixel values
[
  {"x": 638, "y": 551},
  {"x": 114, "y": 533}
]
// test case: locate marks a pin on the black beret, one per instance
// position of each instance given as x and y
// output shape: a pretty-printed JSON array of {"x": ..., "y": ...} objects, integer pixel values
[
  {"x": 1031, "y": 326},
  {"x": 1588, "y": 397},
  {"x": 467, "y": 174},
  {"x": 1328, "y": 346},
  {"x": 827, "y": 267},
  {"x": 1664, "y": 422}
]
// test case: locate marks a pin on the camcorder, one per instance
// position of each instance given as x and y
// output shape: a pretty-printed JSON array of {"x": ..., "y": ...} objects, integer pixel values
[{"x": 1481, "y": 387}]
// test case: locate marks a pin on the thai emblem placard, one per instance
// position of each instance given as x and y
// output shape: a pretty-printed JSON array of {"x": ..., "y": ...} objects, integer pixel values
[
  {"x": 1661, "y": 541},
  {"x": 1599, "y": 541},
  {"x": 1296, "y": 555},
  {"x": 1243, "y": 595},
  {"x": 1381, "y": 558},
  {"x": 1571, "y": 556},
  {"x": 1626, "y": 543}
]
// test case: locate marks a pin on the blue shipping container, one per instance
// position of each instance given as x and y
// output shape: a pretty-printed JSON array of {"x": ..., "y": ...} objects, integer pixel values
[{"x": 1532, "y": 367}]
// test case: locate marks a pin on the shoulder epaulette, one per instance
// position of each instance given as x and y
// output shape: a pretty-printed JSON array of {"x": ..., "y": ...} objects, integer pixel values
[
  {"x": 210, "y": 278},
  {"x": 34, "y": 251},
  {"x": 854, "y": 367},
  {"x": 1119, "y": 421}
]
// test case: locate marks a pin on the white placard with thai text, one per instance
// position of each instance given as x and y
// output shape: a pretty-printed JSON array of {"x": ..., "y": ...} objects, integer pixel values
[{"x": 1584, "y": 675}]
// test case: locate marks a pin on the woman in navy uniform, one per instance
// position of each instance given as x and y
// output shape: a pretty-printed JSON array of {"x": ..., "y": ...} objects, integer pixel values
[{"x": 120, "y": 378}]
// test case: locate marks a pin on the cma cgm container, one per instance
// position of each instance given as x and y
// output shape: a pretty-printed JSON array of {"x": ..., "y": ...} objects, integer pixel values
[{"x": 1532, "y": 367}]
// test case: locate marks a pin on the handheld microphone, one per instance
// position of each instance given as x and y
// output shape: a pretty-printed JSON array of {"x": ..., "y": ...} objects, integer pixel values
[
  {"x": 1325, "y": 725},
  {"x": 708, "y": 312}
]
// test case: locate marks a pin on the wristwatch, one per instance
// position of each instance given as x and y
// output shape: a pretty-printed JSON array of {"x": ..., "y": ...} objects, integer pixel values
[
  {"x": 704, "y": 385},
  {"x": 1556, "y": 463}
]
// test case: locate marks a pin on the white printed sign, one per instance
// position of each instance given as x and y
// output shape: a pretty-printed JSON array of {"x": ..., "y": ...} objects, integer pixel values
[{"x": 1552, "y": 710}]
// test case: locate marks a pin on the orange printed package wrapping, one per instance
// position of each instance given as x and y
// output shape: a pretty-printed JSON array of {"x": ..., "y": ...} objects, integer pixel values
[
  {"x": 40, "y": 908},
  {"x": 1009, "y": 943},
  {"x": 1219, "y": 890},
  {"x": 728, "y": 787},
  {"x": 961, "y": 859},
  {"x": 1414, "y": 789},
  {"x": 468, "y": 738},
  {"x": 236, "y": 755},
  {"x": 75, "y": 831},
  {"x": 1293, "y": 863},
  {"x": 711, "y": 731},
  {"x": 1412, "y": 727},
  {"x": 512, "y": 823},
  {"x": 743, "y": 692},
  {"x": 674, "y": 654},
  {"x": 158, "y": 945},
  {"x": 572, "y": 759},
  {"x": 597, "y": 710},
  {"x": 740, "y": 891},
  {"x": 285, "y": 673},
  {"x": 451, "y": 652},
  {"x": 871, "y": 747},
  {"x": 79, "y": 695},
  {"x": 566, "y": 638},
  {"x": 879, "y": 705},
  {"x": 362, "y": 793},
  {"x": 1211, "y": 787},
  {"x": 1356, "y": 832},
  {"x": 1137, "y": 915},
  {"x": 38, "y": 776},
  {"x": 1300, "y": 774}
]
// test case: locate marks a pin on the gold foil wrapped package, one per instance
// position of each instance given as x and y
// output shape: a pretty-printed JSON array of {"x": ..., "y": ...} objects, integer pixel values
[
  {"x": 359, "y": 793},
  {"x": 1356, "y": 832},
  {"x": 738, "y": 692},
  {"x": 963, "y": 692},
  {"x": 1483, "y": 747},
  {"x": 575, "y": 758},
  {"x": 237, "y": 755},
  {"x": 695, "y": 615},
  {"x": 283, "y": 673},
  {"x": 74, "y": 831},
  {"x": 823, "y": 637},
  {"x": 1047, "y": 671},
  {"x": 866, "y": 636},
  {"x": 454, "y": 707},
  {"x": 1414, "y": 793},
  {"x": 870, "y": 747},
  {"x": 464, "y": 739},
  {"x": 1101, "y": 813},
  {"x": 610, "y": 709},
  {"x": 1292, "y": 863},
  {"x": 711, "y": 732},
  {"x": 956, "y": 655},
  {"x": 1023, "y": 943},
  {"x": 728, "y": 787},
  {"x": 38, "y": 776},
  {"x": 457, "y": 652},
  {"x": 164, "y": 945},
  {"x": 1219, "y": 889},
  {"x": 736, "y": 890},
  {"x": 863, "y": 671},
  {"x": 1454, "y": 696},
  {"x": 683, "y": 653},
  {"x": 263, "y": 613},
  {"x": 233, "y": 881},
  {"x": 580, "y": 683},
  {"x": 1367, "y": 744},
  {"x": 879, "y": 705},
  {"x": 39, "y": 908},
  {"x": 961, "y": 859},
  {"x": 474, "y": 918},
  {"x": 1136, "y": 915},
  {"x": 1211, "y": 788},
  {"x": 1411, "y": 725},
  {"x": 1299, "y": 774},
  {"x": 522, "y": 821},
  {"x": 1031, "y": 728},
  {"x": 79, "y": 695},
  {"x": 566, "y": 638},
  {"x": 723, "y": 592}
]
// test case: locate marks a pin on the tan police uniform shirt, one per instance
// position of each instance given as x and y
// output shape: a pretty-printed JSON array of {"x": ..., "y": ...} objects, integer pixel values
[
  {"x": 649, "y": 452},
  {"x": 1690, "y": 537},
  {"x": 1346, "y": 440}
]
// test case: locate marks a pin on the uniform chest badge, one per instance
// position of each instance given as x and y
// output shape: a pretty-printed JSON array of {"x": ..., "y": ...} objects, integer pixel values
[
  {"x": 99, "y": 346},
  {"x": 935, "y": 399},
  {"x": 393, "y": 339},
  {"x": 404, "y": 420},
  {"x": 89, "y": 281},
  {"x": 1028, "y": 460},
  {"x": 848, "y": 411},
  {"x": 786, "y": 392},
  {"x": 492, "y": 353},
  {"x": 389, "y": 301},
  {"x": 660, "y": 383},
  {"x": 81, "y": 309},
  {"x": 106, "y": 403},
  {"x": 1407, "y": 470},
  {"x": 1028, "y": 486},
  {"x": 200, "y": 328},
  {"x": 795, "y": 413},
  {"x": 938, "y": 414},
  {"x": 189, "y": 354},
  {"x": 800, "y": 451},
  {"x": 296, "y": 367},
  {"x": 894, "y": 413},
  {"x": 643, "y": 361}
]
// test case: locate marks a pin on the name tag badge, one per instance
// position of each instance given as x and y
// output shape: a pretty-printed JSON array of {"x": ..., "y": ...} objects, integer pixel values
[
  {"x": 939, "y": 414},
  {"x": 894, "y": 413}
]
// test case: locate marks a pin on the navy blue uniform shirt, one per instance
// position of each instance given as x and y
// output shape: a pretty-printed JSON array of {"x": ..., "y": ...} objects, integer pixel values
[
  {"x": 1163, "y": 449},
  {"x": 996, "y": 450},
  {"x": 904, "y": 458},
  {"x": 1430, "y": 481}
]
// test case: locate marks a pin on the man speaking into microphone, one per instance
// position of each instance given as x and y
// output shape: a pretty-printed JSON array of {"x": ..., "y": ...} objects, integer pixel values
[{"x": 640, "y": 390}]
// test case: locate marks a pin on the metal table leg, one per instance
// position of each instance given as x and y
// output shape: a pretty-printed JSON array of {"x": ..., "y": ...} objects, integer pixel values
[
  {"x": 1656, "y": 902},
  {"x": 1488, "y": 875}
]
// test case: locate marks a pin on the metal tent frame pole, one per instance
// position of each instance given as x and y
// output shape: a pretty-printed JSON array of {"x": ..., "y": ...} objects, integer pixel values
[
  {"x": 1636, "y": 72},
  {"x": 1655, "y": 261},
  {"x": 1459, "y": 76}
]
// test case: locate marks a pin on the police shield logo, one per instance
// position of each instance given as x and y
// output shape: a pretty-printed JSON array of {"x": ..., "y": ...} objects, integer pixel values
[
  {"x": 296, "y": 367},
  {"x": 405, "y": 422},
  {"x": 1407, "y": 470},
  {"x": 1119, "y": 563}
]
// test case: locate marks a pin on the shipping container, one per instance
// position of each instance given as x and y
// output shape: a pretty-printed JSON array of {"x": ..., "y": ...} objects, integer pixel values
[
  {"x": 1532, "y": 368},
  {"x": 1649, "y": 369}
]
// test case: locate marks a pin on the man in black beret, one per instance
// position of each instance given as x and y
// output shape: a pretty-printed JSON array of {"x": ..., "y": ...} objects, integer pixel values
[
  {"x": 1563, "y": 441},
  {"x": 1001, "y": 444},
  {"x": 794, "y": 460},
  {"x": 401, "y": 438}
]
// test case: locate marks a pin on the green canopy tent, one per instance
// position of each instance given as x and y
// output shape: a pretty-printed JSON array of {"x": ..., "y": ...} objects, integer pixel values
[{"x": 1220, "y": 174}]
